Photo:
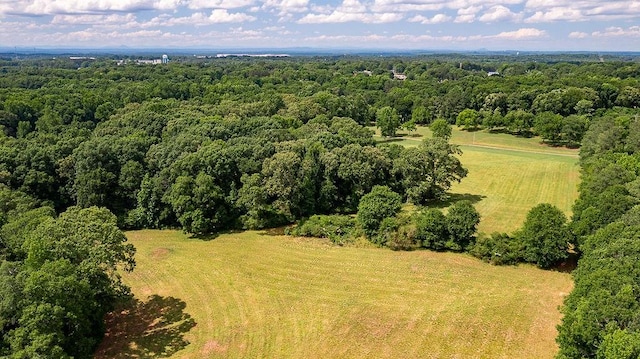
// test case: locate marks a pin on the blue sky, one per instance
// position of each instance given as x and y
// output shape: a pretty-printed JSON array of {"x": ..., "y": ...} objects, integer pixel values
[{"x": 544, "y": 25}]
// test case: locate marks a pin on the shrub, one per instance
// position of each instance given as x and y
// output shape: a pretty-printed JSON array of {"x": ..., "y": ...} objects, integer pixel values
[
  {"x": 387, "y": 231},
  {"x": 403, "y": 239},
  {"x": 431, "y": 229},
  {"x": 375, "y": 206},
  {"x": 498, "y": 249},
  {"x": 462, "y": 221},
  {"x": 337, "y": 228}
]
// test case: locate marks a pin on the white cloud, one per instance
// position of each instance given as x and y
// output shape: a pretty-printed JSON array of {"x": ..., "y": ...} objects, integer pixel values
[
  {"x": 218, "y": 4},
  {"x": 633, "y": 31},
  {"x": 223, "y": 16},
  {"x": 217, "y": 16},
  {"x": 322, "y": 9},
  {"x": 436, "y": 19},
  {"x": 557, "y": 14},
  {"x": 352, "y": 6},
  {"x": 425, "y": 40},
  {"x": 351, "y": 11},
  {"x": 286, "y": 6},
  {"x": 471, "y": 10},
  {"x": 436, "y": 5},
  {"x": 465, "y": 19},
  {"x": 341, "y": 17},
  {"x": 50, "y": 7},
  {"x": 89, "y": 19},
  {"x": 581, "y": 10},
  {"x": 499, "y": 13},
  {"x": 521, "y": 34},
  {"x": 578, "y": 35}
]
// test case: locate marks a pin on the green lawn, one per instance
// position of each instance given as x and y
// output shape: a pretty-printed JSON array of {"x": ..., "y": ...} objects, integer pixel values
[
  {"x": 480, "y": 139},
  {"x": 254, "y": 295},
  {"x": 508, "y": 175}
]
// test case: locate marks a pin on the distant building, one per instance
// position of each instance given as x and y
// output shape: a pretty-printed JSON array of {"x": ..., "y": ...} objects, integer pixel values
[
  {"x": 365, "y": 72},
  {"x": 399, "y": 76},
  {"x": 493, "y": 73},
  {"x": 163, "y": 60}
]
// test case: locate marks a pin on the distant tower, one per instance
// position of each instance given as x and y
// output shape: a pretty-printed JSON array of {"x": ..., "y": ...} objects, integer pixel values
[{"x": 165, "y": 59}]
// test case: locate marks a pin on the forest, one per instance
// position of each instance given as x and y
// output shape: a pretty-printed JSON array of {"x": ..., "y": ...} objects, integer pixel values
[{"x": 88, "y": 149}]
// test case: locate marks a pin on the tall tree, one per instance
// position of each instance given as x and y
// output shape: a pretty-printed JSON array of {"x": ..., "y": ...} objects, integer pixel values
[
  {"x": 545, "y": 236},
  {"x": 426, "y": 172},
  {"x": 388, "y": 121},
  {"x": 375, "y": 206}
]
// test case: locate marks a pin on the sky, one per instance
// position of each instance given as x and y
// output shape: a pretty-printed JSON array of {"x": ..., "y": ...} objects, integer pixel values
[{"x": 527, "y": 25}]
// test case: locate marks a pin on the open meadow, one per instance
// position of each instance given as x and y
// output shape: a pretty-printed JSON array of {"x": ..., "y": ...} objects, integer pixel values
[
  {"x": 258, "y": 295},
  {"x": 509, "y": 175}
]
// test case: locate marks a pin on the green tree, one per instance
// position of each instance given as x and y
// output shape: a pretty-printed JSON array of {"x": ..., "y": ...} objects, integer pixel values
[
  {"x": 375, "y": 206},
  {"x": 431, "y": 229},
  {"x": 469, "y": 119},
  {"x": 519, "y": 121},
  {"x": 549, "y": 126},
  {"x": 573, "y": 129},
  {"x": 68, "y": 282},
  {"x": 604, "y": 300},
  {"x": 440, "y": 128},
  {"x": 545, "y": 236},
  {"x": 420, "y": 115},
  {"x": 388, "y": 121},
  {"x": 426, "y": 172},
  {"x": 620, "y": 344},
  {"x": 462, "y": 222}
]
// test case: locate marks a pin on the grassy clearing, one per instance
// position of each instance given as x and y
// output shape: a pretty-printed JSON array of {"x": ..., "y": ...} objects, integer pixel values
[
  {"x": 505, "y": 184},
  {"x": 252, "y": 295},
  {"x": 508, "y": 175},
  {"x": 481, "y": 139}
]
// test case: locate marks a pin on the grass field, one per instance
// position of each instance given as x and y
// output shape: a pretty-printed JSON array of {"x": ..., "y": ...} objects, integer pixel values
[
  {"x": 254, "y": 295},
  {"x": 508, "y": 175}
]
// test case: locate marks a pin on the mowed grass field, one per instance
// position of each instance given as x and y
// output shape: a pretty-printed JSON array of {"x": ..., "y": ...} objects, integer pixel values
[
  {"x": 256, "y": 295},
  {"x": 508, "y": 175}
]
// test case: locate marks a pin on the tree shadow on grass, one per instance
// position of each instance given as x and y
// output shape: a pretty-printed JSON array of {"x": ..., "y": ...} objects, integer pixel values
[
  {"x": 569, "y": 265},
  {"x": 275, "y": 231},
  {"x": 456, "y": 197},
  {"x": 390, "y": 140},
  {"x": 151, "y": 329},
  {"x": 211, "y": 236}
]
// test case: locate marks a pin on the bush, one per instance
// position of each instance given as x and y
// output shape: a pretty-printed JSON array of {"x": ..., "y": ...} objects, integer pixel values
[
  {"x": 431, "y": 229},
  {"x": 462, "y": 221},
  {"x": 337, "y": 228},
  {"x": 387, "y": 231},
  {"x": 404, "y": 239},
  {"x": 375, "y": 206},
  {"x": 498, "y": 249}
]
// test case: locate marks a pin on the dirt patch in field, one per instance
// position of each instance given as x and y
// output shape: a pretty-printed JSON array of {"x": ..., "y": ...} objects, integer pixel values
[
  {"x": 213, "y": 346},
  {"x": 160, "y": 253}
]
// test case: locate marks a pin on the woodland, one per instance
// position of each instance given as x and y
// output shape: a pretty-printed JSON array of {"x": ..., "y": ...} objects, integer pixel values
[{"x": 88, "y": 149}]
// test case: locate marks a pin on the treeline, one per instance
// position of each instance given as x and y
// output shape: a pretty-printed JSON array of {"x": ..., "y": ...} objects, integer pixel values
[
  {"x": 602, "y": 313},
  {"x": 167, "y": 163},
  {"x": 58, "y": 277}
]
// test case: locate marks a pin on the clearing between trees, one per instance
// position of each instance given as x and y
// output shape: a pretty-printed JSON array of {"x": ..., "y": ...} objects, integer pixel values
[
  {"x": 509, "y": 175},
  {"x": 253, "y": 294}
]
